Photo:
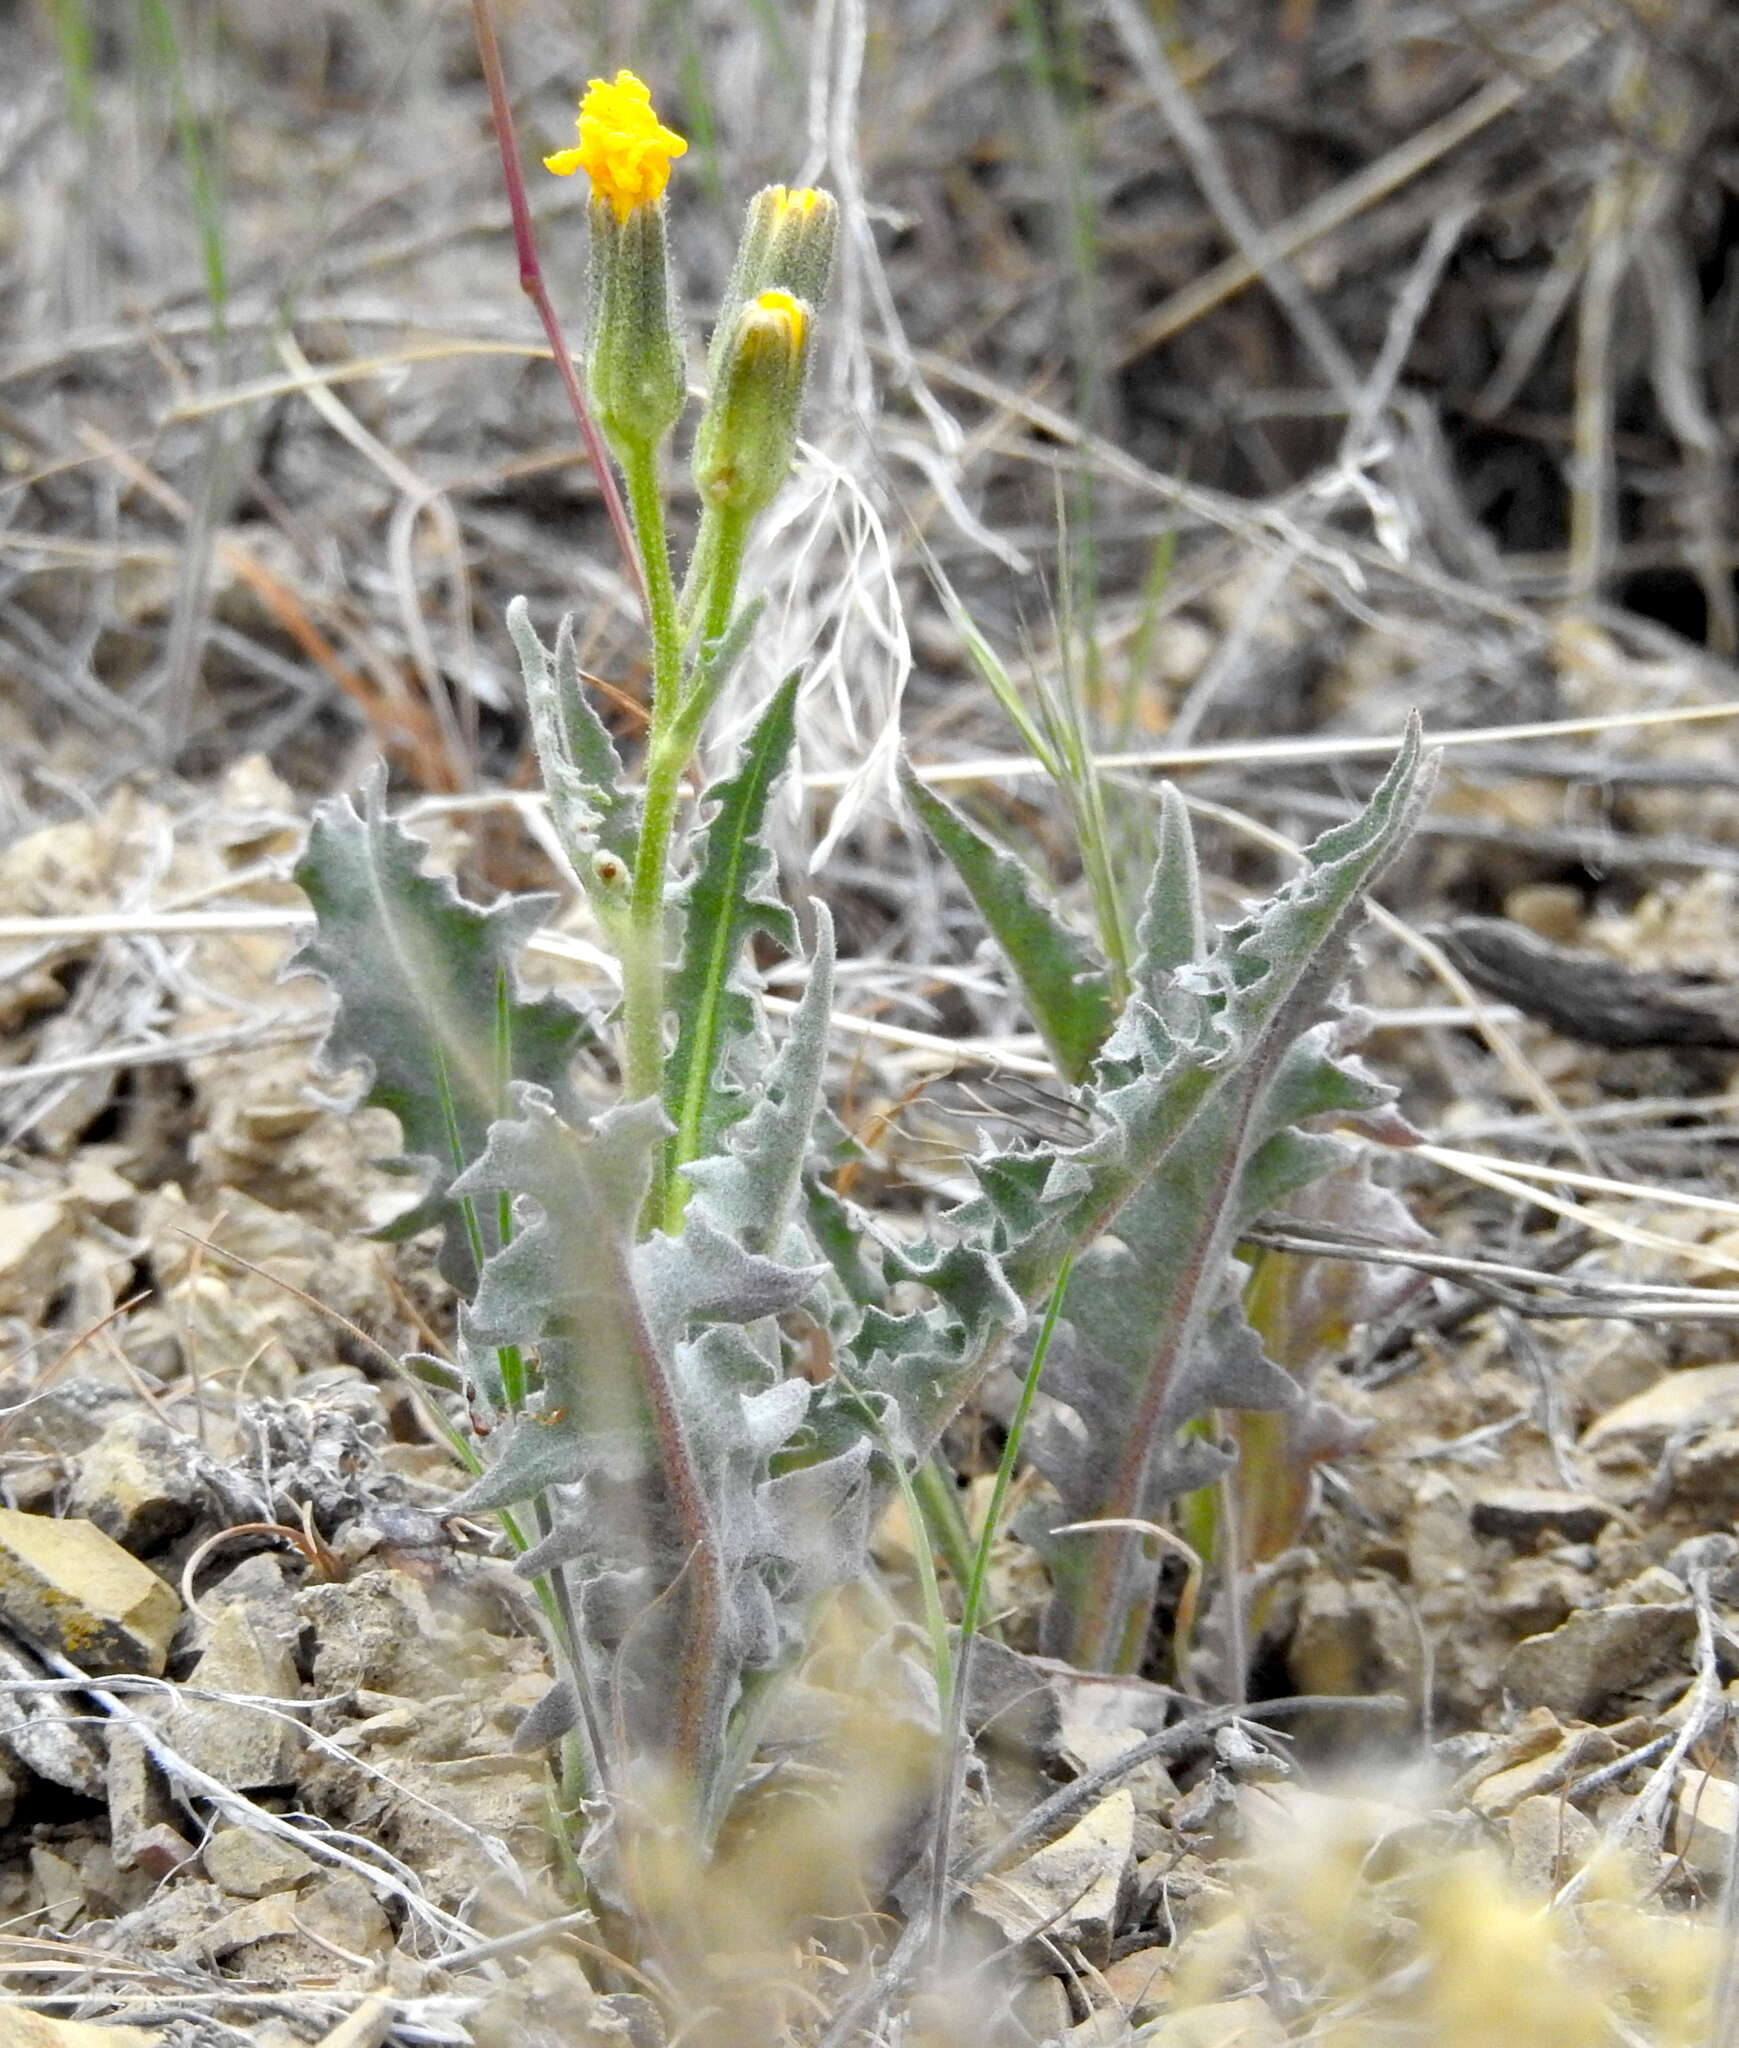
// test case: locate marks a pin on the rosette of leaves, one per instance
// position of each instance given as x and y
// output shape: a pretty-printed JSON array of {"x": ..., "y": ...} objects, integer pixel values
[{"x": 634, "y": 1334}]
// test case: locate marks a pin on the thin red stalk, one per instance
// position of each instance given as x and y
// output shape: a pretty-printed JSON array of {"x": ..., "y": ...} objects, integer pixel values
[{"x": 532, "y": 284}]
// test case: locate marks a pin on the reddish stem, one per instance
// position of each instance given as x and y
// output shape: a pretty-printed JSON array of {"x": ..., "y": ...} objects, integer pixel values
[{"x": 532, "y": 284}]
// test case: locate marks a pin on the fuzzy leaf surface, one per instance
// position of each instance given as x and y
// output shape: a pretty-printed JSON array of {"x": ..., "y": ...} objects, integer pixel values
[
  {"x": 427, "y": 998},
  {"x": 749, "y": 1188},
  {"x": 581, "y": 769},
  {"x": 642, "y": 1344},
  {"x": 1063, "y": 982}
]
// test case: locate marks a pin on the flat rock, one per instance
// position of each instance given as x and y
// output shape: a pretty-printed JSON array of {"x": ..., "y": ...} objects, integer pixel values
[
  {"x": 33, "y": 1242},
  {"x": 1139, "y": 1984},
  {"x": 1505, "y": 1787},
  {"x": 289, "y": 1936},
  {"x": 1074, "y": 1887},
  {"x": 1523, "y": 1514},
  {"x": 20, "y": 2029},
  {"x": 1550, "y": 1840},
  {"x": 1597, "y": 1655},
  {"x": 44, "y": 1730},
  {"x": 375, "y": 1632},
  {"x": 64, "y": 1585},
  {"x": 245, "y": 1747},
  {"x": 63, "y": 1894},
  {"x": 138, "y": 1482},
  {"x": 1705, "y": 1819},
  {"x": 1703, "y": 1397},
  {"x": 1230, "y": 2023},
  {"x": 142, "y": 1830},
  {"x": 248, "y": 1863}
]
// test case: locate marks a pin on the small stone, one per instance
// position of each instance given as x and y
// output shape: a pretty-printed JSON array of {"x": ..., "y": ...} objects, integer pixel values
[
  {"x": 1550, "y": 1840},
  {"x": 44, "y": 1729},
  {"x": 138, "y": 1482},
  {"x": 1533, "y": 1594},
  {"x": 375, "y": 1631},
  {"x": 1355, "y": 1636},
  {"x": 1706, "y": 1471},
  {"x": 547, "y": 2005},
  {"x": 1231, "y": 2023},
  {"x": 1702, "y": 1398},
  {"x": 1714, "y": 1557},
  {"x": 1653, "y": 1586},
  {"x": 1041, "y": 2007},
  {"x": 65, "y": 1585},
  {"x": 33, "y": 1240},
  {"x": 1103, "y": 2029},
  {"x": 1523, "y": 1514},
  {"x": 1139, "y": 1983},
  {"x": 1508, "y": 1779},
  {"x": 259, "y": 1584},
  {"x": 367, "y": 2027},
  {"x": 245, "y": 1747},
  {"x": 1073, "y": 1888},
  {"x": 21, "y": 2029},
  {"x": 289, "y": 1935},
  {"x": 1597, "y": 1655},
  {"x": 343, "y": 1911},
  {"x": 1705, "y": 1818},
  {"x": 63, "y": 1897},
  {"x": 248, "y": 1863},
  {"x": 142, "y": 1831}
]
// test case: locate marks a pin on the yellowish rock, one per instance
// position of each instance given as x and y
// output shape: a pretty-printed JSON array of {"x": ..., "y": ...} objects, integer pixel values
[
  {"x": 36, "y": 2030},
  {"x": 65, "y": 1585}
]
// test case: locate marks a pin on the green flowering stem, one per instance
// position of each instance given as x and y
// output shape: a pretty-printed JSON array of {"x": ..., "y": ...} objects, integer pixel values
[
  {"x": 643, "y": 949},
  {"x": 731, "y": 534},
  {"x": 710, "y": 588}
]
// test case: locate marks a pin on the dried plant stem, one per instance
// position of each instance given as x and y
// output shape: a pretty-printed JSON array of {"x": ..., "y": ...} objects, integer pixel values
[{"x": 532, "y": 284}]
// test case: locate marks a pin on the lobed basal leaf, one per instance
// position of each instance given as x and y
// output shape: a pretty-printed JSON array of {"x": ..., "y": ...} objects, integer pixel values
[{"x": 428, "y": 1006}]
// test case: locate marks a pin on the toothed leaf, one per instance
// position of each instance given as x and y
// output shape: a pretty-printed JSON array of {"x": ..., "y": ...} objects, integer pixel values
[
  {"x": 581, "y": 770},
  {"x": 1064, "y": 985},
  {"x": 427, "y": 1005},
  {"x": 749, "y": 1187}
]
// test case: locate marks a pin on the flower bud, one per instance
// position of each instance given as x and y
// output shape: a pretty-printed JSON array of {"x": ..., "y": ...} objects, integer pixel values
[
  {"x": 748, "y": 432},
  {"x": 787, "y": 245},
  {"x": 637, "y": 380}
]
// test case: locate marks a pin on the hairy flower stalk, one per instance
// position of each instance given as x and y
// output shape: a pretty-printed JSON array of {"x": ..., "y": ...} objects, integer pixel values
[{"x": 639, "y": 385}]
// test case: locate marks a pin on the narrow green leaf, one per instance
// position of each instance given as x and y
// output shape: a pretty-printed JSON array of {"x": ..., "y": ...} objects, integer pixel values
[
  {"x": 731, "y": 896},
  {"x": 424, "y": 982},
  {"x": 1065, "y": 987}
]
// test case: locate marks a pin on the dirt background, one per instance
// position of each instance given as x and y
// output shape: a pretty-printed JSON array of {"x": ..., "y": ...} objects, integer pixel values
[{"x": 1262, "y": 372}]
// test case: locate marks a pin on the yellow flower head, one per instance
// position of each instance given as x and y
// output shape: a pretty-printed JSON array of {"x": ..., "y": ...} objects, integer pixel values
[{"x": 624, "y": 149}]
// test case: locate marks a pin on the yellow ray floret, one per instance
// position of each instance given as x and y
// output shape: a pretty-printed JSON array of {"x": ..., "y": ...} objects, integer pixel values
[
  {"x": 790, "y": 310},
  {"x": 624, "y": 149}
]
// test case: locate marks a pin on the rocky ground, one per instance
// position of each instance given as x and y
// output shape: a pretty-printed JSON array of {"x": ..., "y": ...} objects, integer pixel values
[{"x": 256, "y": 1766}]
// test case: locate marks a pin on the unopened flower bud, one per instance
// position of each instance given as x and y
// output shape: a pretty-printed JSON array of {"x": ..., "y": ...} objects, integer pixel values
[
  {"x": 787, "y": 245},
  {"x": 748, "y": 432}
]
